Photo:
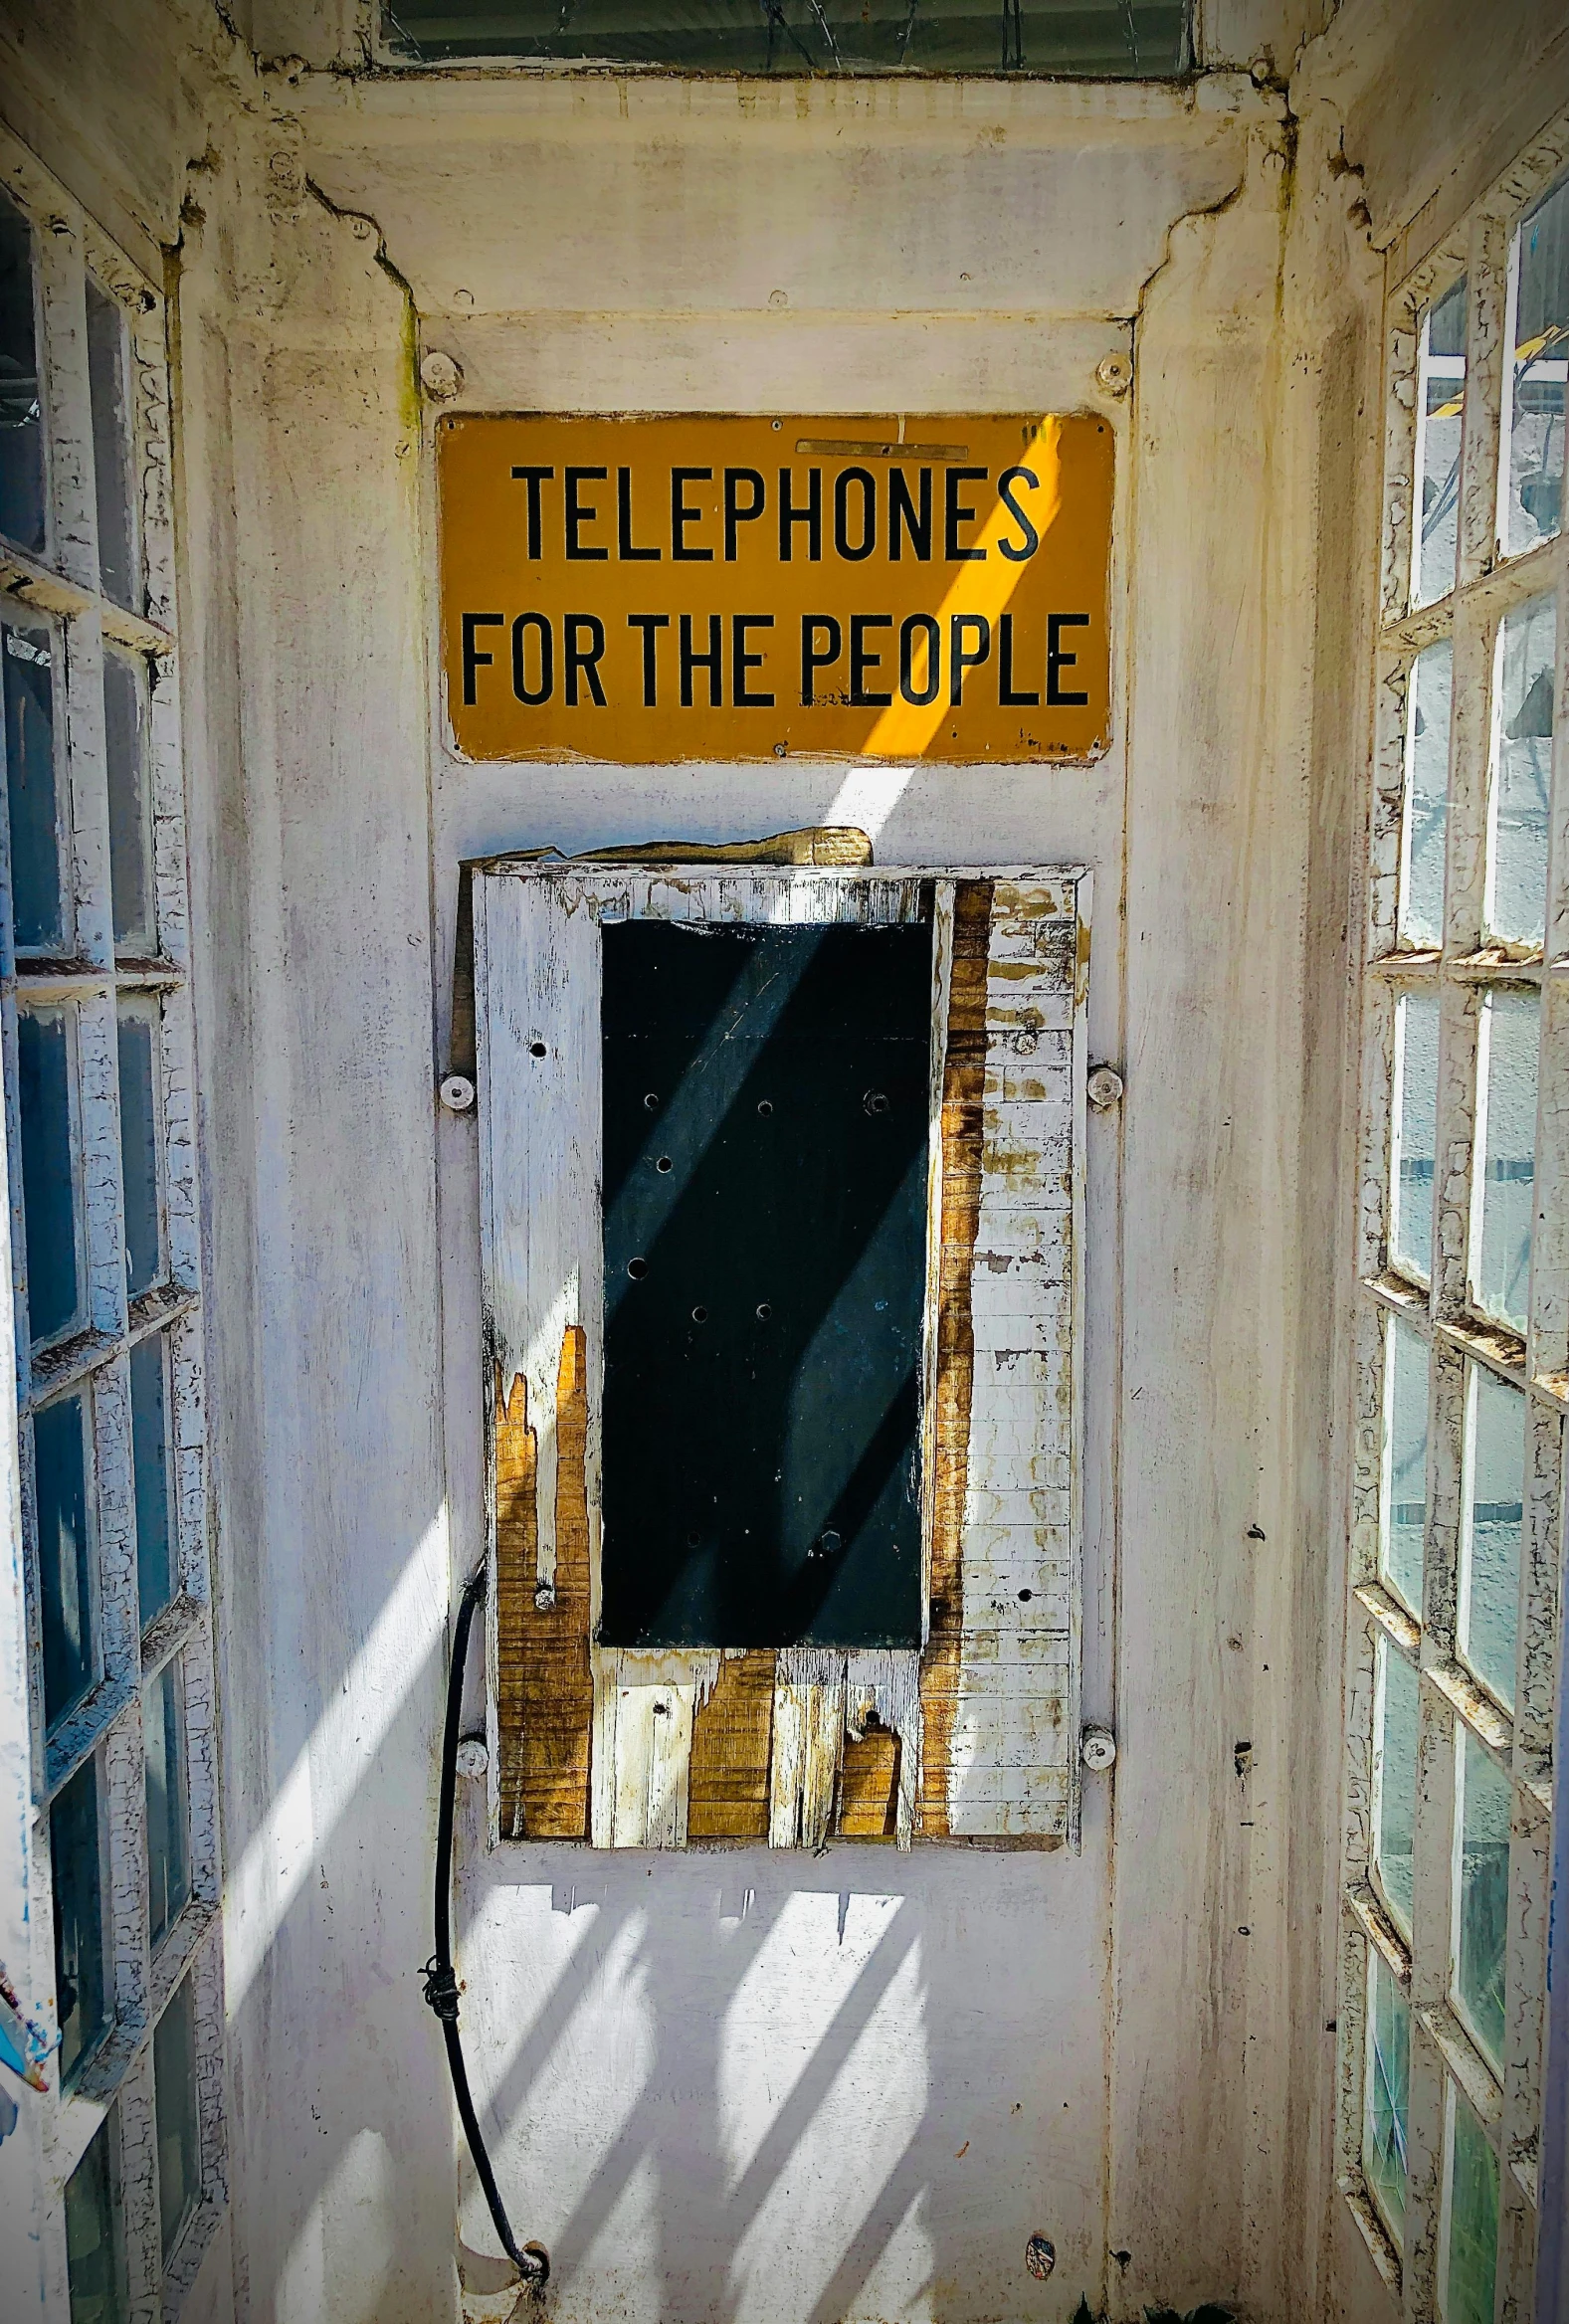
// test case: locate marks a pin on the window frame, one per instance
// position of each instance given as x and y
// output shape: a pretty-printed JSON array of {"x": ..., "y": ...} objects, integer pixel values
[
  {"x": 86, "y": 977},
  {"x": 1463, "y": 970}
]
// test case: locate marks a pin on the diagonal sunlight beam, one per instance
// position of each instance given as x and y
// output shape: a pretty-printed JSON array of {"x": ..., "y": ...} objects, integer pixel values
[
  {"x": 904, "y": 729},
  {"x": 343, "y": 1745}
]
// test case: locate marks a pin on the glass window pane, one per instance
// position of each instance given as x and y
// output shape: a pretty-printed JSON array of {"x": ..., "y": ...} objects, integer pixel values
[
  {"x": 48, "y": 1176},
  {"x": 21, "y": 421},
  {"x": 1386, "y": 2094},
  {"x": 1428, "y": 698},
  {"x": 138, "y": 1144},
  {"x": 1395, "y": 1778},
  {"x": 1470, "y": 2250},
  {"x": 74, "y": 1849},
  {"x": 1484, "y": 1896},
  {"x": 130, "y": 818},
  {"x": 1100, "y": 38},
  {"x": 1505, "y": 1163},
  {"x": 108, "y": 392},
  {"x": 64, "y": 1555},
  {"x": 1533, "y": 464},
  {"x": 174, "y": 2106},
  {"x": 31, "y": 797},
  {"x": 95, "y": 2241},
  {"x": 168, "y": 1823},
  {"x": 1490, "y": 1536},
  {"x": 1405, "y": 1463},
  {"x": 149, "y": 1437},
  {"x": 1416, "y": 1122},
  {"x": 1522, "y": 754},
  {"x": 1441, "y": 400}
]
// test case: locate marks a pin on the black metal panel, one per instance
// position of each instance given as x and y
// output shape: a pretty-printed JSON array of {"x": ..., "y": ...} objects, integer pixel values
[{"x": 765, "y": 1111}]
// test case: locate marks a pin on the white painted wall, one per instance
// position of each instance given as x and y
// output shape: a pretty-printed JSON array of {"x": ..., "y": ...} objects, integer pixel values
[{"x": 737, "y": 2084}]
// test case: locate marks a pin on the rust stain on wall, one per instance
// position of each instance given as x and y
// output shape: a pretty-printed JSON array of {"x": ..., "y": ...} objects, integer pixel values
[
  {"x": 868, "y": 1784},
  {"x": 731, "y": 1738},
  {"x": 963, "y": 1098},
  {"x": 545, "y": 1690}
]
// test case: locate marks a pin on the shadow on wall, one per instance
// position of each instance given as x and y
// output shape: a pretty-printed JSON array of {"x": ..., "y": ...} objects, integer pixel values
[{"x": 724, "y": 2090}]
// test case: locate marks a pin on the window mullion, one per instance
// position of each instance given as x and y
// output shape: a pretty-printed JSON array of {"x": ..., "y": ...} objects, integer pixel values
[
  {"x": 68, "y": 407},
  {"x": 1471, "y": 736},
  {"x": 1487, "y": 271}
]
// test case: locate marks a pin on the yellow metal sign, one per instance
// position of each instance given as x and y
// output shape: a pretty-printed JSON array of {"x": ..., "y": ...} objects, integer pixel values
[{"x": 643, "y": 590}]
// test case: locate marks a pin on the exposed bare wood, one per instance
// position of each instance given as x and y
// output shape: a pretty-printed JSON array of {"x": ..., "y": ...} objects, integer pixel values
[{"x": 732, "y": 1739}]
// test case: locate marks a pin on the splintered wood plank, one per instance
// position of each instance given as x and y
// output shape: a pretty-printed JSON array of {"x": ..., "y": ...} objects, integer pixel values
[
  {"x": 962, "y": 1124},
  {"x": 732, "y": 1739},
  {"x": 809, "y": 1736},
  {"x": 544, "y": 1692},
  {"x": 1011, "y": 1701}
]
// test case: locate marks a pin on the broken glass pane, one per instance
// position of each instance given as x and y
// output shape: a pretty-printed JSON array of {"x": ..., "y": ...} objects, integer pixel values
[
  {"x": 1490, "y": 1537},
  {"x": 1522, "y": 754},
  {"x": 175, "y": 2109},
  {"x": 1440, "y": 401},
  {"x": 130, "y": 820},
  {"x": 49, "y": 1174},
  {"x": 1507, "y": 1138},
  {"x": 75, "y": 1864},
  {"x": 108, "y": 393},
  {"x": 21, "y": 421},
  {"x": 1484, "y": 1896},
  {"x": 1533, "y": 462},
  {"x": 1386, "y": 2093},
  {"x": 32, "y": 799},
  {"x": 1427, "y": 795},
  {"x": 1406, "y": 1463},
  {"x": 1416, "y": 1132},
  {"x": 168, "y": 1837},
  {"x": 94, "y": 2238},
  {"x": 1471, "y": 2252},
  {"x": 65, "y": 1556},
  {"x": 1100, "y": 39},
  {"x": 1395, "y": 1762}
]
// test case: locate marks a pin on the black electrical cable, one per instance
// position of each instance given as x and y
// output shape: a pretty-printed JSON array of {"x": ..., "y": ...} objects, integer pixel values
[{"x": 531, "y": 2260}]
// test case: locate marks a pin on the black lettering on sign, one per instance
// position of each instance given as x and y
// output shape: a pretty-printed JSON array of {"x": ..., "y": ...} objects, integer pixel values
[
  {"x": 690, "y": 660},
  {"x": 474, "y": 656},
  {"x": 533, "y": 478},
  {"x": 683, "y": 517},
  {"x": 919, "y": 628},
  {"x": 734, "y": 513},
  {"x": 1005, "y": 685},
  {"x": 650, "y": 624},
  {"x": 860, "y": 661},
  {"x": 811, "y": 659},
  {"x": 520, "y": 688},
  {"x": 1017, "y": 551},
  {"x": 624, "y": 548},
  {"x": 741, "y": 662},
  {"x": 810, "y": 513},
  {"x": 959, "y": 659},
  {"x": 577, "y": 516},
  {"x": 1056, "y": 659},
  {"x": 954, "y": 514},
  {"x": 583, "y": 658},
  {"x": 867, "y": 539},
  {"x": 906, "y": 518}
]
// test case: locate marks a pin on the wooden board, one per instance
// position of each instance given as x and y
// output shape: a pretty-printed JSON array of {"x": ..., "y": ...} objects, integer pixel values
[{"x": 974, "y": 1734}]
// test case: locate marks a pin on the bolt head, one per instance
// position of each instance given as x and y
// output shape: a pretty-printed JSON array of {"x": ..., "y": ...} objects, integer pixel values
[
  {"x": 1098, "y": 1749},
  {"x": 440, "y": 376},
  {"x": 1114, "y": 372},
  {"x": 1105, "y": 1087},
  {"x": 472, "y": 1756},
  {"x": 457, "y": 1093}
]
